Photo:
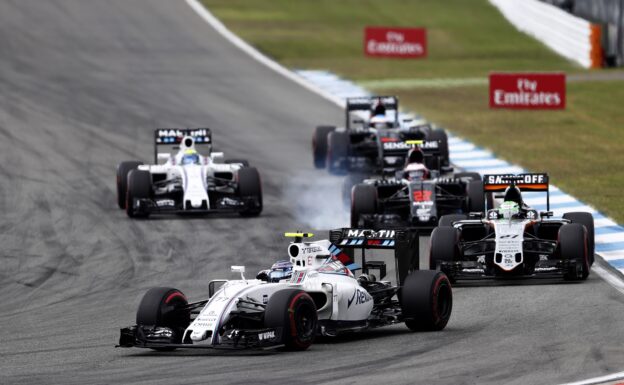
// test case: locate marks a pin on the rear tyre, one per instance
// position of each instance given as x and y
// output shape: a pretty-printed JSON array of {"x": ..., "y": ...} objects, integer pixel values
[
  {"x": 347, "y": 185},
  {"x": 426, "y": 300},
  {"x": 363, "y": 201},
  {"x": 338, "y": 150},
  {"x": 444, "y": 247},
  {"x": 249, "y": 186},
  {"x": 123, "y": 169},
  {"x": 164, "y": 307},
  {"x": 471, "y": 175},
  {"x": 319, "y": 145},
  {"x": 139, "y": 187},
  {"x": 244, "y": 162},
  {"x": 476, "y": 197},
  {"x": 587, "y": 220},
  {"x": 440, "y": 135},
  {"x": 294, "y": 311},
  {"x": 447, "y": 220},
  {"x": 573, "y": 247}
]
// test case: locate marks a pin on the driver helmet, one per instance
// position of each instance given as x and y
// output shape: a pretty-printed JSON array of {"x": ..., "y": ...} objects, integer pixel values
[
  {"x": 508, "y": 209},
  {"x": 280, "y": 270},
  {"x": 416, "y": 171},
  {"x": 190, "y": 157}
]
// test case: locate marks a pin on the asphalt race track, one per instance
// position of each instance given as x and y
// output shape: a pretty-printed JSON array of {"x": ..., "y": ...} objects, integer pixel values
[{"x": 82, "y": 85}]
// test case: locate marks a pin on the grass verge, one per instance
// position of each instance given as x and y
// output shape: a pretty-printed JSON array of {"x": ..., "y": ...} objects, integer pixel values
[{"x": 581, "y": 147}]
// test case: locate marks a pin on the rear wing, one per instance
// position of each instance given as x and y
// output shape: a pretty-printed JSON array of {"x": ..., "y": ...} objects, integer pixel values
[
  {"x": 525, "y": 182},
  {"x": 404, "y": 242},
  {"x": 172, "y": 137},
  {"x": 367, "y": 103}
]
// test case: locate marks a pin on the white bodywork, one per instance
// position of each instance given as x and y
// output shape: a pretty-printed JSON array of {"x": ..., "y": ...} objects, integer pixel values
[
  {"x": 345, "y": 299},
  {"x": 509, "y": 239},
  {"x": 192, "y": 176}
]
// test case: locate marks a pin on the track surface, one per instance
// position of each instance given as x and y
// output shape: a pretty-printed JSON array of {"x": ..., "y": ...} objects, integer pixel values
[{"x": 83, "y": 83}]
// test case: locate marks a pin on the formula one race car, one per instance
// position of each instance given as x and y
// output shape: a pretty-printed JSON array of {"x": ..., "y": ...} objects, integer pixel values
[
  {"x": 188, "y": 181},
  {"x": 373, "y": 139},
  {"x": 415, "y": 197},
  {"x": 312, "y": 293},
  {"x": 514, "y": 240}
]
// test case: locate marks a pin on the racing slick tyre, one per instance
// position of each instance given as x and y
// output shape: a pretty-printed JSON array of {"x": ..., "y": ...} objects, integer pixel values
[
  {"x": 249, "y": 186},
  {"x": 426, "y": 300},
  {"x": 363, "y": 201},
  {"x": 471, "y": 175},
  {"x": 319, "y": 145},
  {"x": 165, "y": 307},
  {"x": 447, "y": 220},
  {"x": 444, "y": 247},
  {"x": 440, "y": 135},
  {"x": 347, "y": 185},
  {"x": 573, "y": 246},
  {"x": 337, "y": 152},
  {"x": 123, "y": 170},
  {"x": 476, "y": 197},
  {"x": 139, "y": 187},
  {"x": 294, "y": 312},
  {"x": 587, "y": 220},
  {"x": 244, "y": 162}
]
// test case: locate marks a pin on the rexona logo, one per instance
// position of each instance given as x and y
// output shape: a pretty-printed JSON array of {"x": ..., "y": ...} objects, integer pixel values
[
  {"x": 357, "y": 233},
  {"x": 528, "y": 90},
  {"x": 395, "y": 42}
]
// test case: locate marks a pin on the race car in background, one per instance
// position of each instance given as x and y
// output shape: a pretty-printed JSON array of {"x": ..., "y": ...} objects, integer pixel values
[
  {"x": 514, "y": 240},
  {"x": 372, "y": 140},
  {"x": 190, "y": 178},
  {"x": 314, "y": 294},
  {"x": 416, "y": 196}
]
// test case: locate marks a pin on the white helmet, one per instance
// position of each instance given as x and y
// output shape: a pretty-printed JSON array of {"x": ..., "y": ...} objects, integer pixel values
[{"x": 508, "y": 209}]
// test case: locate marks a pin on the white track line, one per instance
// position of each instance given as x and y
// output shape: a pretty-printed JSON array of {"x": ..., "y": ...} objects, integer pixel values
[{"x": 599, "y": 380}]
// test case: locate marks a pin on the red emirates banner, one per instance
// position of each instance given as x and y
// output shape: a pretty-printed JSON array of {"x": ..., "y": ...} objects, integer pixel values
[
  {"x": 395, "y": 42},
  {"x": 528, "y": 90}
]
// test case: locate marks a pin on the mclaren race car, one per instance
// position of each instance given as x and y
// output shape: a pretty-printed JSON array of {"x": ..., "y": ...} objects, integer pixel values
[
  {"x": 373, "y": 139},
  {"x": 415, "y": 197},
  {"x": 514, "y": 240},
  {"x": 314, "y": 292},
  {"x": 191, "y": 178}
]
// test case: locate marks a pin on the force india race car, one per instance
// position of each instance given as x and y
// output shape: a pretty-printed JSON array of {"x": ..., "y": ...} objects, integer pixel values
[
  {"x": 416, "y": 197},
  {"x": 514, "y": 240},
  {"x": 188, "y": 181},
  {"x": 319, "y": 296},
  {"x": 373, "y": 139}
]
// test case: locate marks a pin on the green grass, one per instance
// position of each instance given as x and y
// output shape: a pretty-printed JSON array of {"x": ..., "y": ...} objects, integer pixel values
[{"x": 581, "y": 147}]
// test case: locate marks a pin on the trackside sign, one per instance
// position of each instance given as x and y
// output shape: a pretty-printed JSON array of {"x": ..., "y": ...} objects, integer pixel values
[
  {"x": 528, "y": 90},
  {"x": 395, "y": 42}
]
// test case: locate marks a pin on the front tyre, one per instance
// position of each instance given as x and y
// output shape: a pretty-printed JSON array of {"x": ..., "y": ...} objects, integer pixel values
[
  {"x": 363, "y": 202},
  {"x": 426, "y": 300},
  {"x": 165, "y": 307},
  {"x": 338, "y": 152},
  {"x": 587, "y": 220},
  {"x": 139, "y": 188},
  {"x": 250, "y": 188},
  {"x": 573, "y": 246},
  {"x": 294, "y": 311},
  {"x": 123, "y": 169}
]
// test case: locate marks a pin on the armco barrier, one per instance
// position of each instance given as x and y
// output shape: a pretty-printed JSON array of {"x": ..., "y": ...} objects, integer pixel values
[{"x": 568, "y": 35}]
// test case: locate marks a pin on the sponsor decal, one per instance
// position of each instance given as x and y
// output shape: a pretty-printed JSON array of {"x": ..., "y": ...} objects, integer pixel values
[
  {"x": 396, "y": 146},
  {"x": 165, "y": 203},
  {"x": 298, "y": 277},
  {"x": 357, "y": 233},
  {"x": 528, "y": 90},
  {"x": 422, "y": 195},
  {"x": 518, "y": 179},
  {"x": 360, "y": 297},
  {"x": 395, "y": 42},
  {"x": 266, "y": 335},
  {"x": 309, "y": 250}
]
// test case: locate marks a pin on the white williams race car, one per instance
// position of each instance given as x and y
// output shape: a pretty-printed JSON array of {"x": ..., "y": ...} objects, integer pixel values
[
  {"x": 187, "y": 180},
  {"x": 314, "y": 292}
]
